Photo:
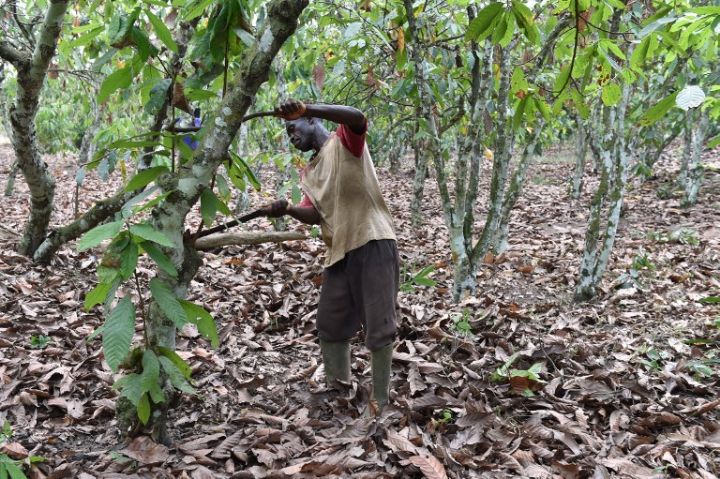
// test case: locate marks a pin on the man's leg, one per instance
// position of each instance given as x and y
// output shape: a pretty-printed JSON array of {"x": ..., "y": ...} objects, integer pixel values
[
  {"x": 375, "y": 282},
  {"x": 337, "y": 322}
]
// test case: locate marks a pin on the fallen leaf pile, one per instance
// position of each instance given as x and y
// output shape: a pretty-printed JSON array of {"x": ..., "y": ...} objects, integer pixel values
[{"x": 515, "y": 381}]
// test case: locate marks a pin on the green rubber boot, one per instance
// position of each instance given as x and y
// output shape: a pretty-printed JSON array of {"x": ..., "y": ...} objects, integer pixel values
[
  {"x": 381, "y": 365},
  {"x": 336, "y": 357}
]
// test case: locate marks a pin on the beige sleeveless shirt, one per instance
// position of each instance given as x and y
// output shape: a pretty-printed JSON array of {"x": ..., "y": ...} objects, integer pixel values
[{"x": 345, "y": 191}]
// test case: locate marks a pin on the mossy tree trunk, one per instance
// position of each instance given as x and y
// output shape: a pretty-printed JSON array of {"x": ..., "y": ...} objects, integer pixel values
[
  {"x": 31, "y": 72},
  {"x": 186, "y": 185}
]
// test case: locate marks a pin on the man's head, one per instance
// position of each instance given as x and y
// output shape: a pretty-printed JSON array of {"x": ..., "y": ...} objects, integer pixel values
[{"x": 302, "y": 132}]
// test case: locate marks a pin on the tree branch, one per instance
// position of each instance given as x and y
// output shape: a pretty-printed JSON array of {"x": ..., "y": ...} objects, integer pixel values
[
  {"x": 12, "y": 55},
  {"x": 247, "y": 237}
]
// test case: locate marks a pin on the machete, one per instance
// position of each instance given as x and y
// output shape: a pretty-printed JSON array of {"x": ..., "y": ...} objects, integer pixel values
[{"x": 243, "y": 219}]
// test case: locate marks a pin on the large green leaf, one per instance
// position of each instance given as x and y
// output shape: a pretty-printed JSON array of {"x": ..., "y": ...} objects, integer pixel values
[
  {"x": 209, "y": 206},
  {"x": 151, "y": 376},
  {"x": 158, "y": 95},
  {"x": 128, "y": 260},
  {"x": 97, "y": 295},
  {"x": 118, "y": 332},
  {"x": 611, "y": 93},
  {"x": 147, "y": 232},
  {"x": 86, "y": 38},
  {"x": 177, "y": 378},
  {"x": 99, "y": 234},
  {"x": 525, "y": 21},
  {"x": 162, "y": 31},
  {"x": 160, "y": 258},
  {"x": 658, "y": 110},
  {"x": 179, "y": 362},
  {"x": 479, "y": 27},
  {"x": 206, "y": 324},
  {"x": 167, "y": 301},
  {"x": 118, "y": 79},
  {"x": 245, "y": 170},
  {"x": 143, "y": 177}
]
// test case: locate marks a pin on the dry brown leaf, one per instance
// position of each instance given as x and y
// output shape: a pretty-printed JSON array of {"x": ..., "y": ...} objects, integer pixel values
[
  {"x": 146, "y": 451},
  {"x": 429, "y": 466}
]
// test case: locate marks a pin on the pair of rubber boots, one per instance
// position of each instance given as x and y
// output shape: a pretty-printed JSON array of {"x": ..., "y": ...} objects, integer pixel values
[{"x": 336, "y": 357}]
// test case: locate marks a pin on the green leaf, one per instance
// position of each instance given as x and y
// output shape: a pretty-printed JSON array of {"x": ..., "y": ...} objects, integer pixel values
[
  {"x": 162, "y": 31},
  {"x": 99, "y": 234},
  {"x": 706, "y": 10},
  {"x": 196, "y": 8},
  {"x": 143, "y": 177},
  {"x": 83, "y": 40},
  {"x": 147, "y": 232},
  {"x": 209, "y": 206},
  {"x": 130, "y": 387},
  {"x": 658, "y": 110},
  {"x": 479, "y": 27},
  {"x": 97, "y": 295},
  {"x": 609, "y": 45},
  {"x": 651, "y": 27},
  {"x": 611, "y": 93},
  {"x": 116, "y": 80},
  {"x": 144, "y": 409},
  {"x": 640, "y": 54},
  {"x": 160, "y": 258},
  {"x": 176, "y": 377},
  {"x": 206, "y": 324},
  {"x": 713, "y": 142},
  {"x": 118, "y": 332},
  {"x": 168, "y": 302},
  {"x": 128, "y": 260},
  {"x": 500, "y": 28},
  {"x": 519, "y": 112},
  {"x": 710, "y": 300},
  {"x": 15, "y": 471},
  {"x": 150, "y": 204},
  {"x": 179, "y": 362},
  {"x": 158, "y": 94},
  {"x": 142, "y": 43},
  {"x": 117, "y": 28},
  {"x": 151, "y": 376},
  {"x": 525, "y": 21},
  {"x": 246, "y": 170}
]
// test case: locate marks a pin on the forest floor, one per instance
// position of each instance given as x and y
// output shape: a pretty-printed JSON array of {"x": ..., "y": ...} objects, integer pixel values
[{"x": 627, "y": 385}]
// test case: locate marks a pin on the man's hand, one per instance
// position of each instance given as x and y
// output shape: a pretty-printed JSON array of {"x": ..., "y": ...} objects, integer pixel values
[
  {"x": 291, "y": 110},
  {"x": 276, "y": 209}
]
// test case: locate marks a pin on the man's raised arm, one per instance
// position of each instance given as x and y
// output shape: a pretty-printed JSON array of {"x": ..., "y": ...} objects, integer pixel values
[{"x": 347, "y": 115}]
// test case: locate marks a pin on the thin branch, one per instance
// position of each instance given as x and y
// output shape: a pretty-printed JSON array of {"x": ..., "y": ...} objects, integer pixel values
[
  {"x": 574, "y": 54},
  {"x": 22, "y": 26}
]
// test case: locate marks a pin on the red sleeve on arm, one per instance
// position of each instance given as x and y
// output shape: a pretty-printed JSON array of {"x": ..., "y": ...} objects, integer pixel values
[
  {"x": 306, "y": 203},
  {"x": 355, "y": 142}
]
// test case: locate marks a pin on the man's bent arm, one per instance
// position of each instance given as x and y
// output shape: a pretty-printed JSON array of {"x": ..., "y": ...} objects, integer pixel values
[
  {"x": 348, "y": 115},
  {"x": 305, "y": 214}
]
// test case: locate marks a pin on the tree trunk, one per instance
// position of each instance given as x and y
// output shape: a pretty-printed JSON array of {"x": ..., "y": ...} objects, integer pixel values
[
  {"x": 31, "y": 75},
  {"x": 187, "y": 184},
  {"x": 87, "y": 150},
  {"x": 418, "y": 186},
  {"x": 581, "y": 148},
  {"x": 500, "y": 241},
  {"x": 614, "y": 162},
  {"x": 698, "y": 125}
]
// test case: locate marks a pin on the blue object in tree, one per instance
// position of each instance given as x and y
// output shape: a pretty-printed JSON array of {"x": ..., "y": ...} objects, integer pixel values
[{"x": 189, "y": 140}]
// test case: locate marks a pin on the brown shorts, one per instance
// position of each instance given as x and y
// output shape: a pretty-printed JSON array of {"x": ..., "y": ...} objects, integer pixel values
[{"x": 361, "y": 291}]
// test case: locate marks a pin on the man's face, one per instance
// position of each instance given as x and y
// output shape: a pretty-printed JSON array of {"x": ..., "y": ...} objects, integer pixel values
[{"x": 301, "y": 133}]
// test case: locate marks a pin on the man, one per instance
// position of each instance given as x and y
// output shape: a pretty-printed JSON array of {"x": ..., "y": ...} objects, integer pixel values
[{"x": 361, "y": 276}]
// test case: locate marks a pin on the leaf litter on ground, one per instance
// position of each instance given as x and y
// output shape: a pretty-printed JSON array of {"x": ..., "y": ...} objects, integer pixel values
[{"x": 532, "y": 385}]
